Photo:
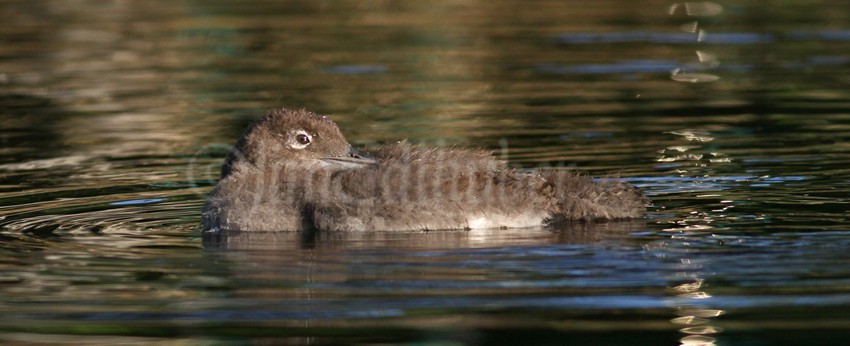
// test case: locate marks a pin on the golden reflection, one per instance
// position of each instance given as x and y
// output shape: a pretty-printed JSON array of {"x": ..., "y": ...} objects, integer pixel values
[
  {"x": 697, "y": 340},
  {"x": 694, "y": 72},
  {"x": 697, "y": 8},
  {"x": 699, "y": 312},
  {"x": 707, "y": 58},
  {"x": 701, "y": 330},
  {"x": 703, "y": 8},
  {"x": 694, "y": 135},
  {"x": 684, "y": 157},
  {"x": 689, "y": 320},
  {"x": 688, "y": 287},
  {"x": 691, "y": 77},
  {"x": 695, "y": 321},
  {"x": 695, "y": 295}
]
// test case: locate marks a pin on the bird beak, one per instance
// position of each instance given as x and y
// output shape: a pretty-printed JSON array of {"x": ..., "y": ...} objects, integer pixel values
[{"x": 354, "y": 158}]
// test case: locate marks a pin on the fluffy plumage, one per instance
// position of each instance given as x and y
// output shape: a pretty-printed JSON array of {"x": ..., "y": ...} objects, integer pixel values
[{"x": 273, "y": 181}]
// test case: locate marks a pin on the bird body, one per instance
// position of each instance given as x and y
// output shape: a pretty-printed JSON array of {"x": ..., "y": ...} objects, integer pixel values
[{"x": 294, "y": 171}]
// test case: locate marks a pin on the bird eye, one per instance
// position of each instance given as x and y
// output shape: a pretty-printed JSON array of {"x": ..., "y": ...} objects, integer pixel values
[
  {"x": 303, "y": 138},
  {"x": 299, "y": 139}
]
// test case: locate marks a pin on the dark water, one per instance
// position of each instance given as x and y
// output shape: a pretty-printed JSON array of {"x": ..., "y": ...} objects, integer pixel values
[{"x": 734, "y": 117}]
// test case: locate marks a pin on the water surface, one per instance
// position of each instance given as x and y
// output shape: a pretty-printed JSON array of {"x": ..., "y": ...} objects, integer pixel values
[{"x": 734, "y": 118}]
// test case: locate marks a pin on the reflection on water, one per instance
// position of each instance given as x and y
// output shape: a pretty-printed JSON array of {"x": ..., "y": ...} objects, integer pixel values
[
  {"x": 695, "y": 320},
  {"x": 731, "y": 116},
  {"x": 578, "y": 233}
]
